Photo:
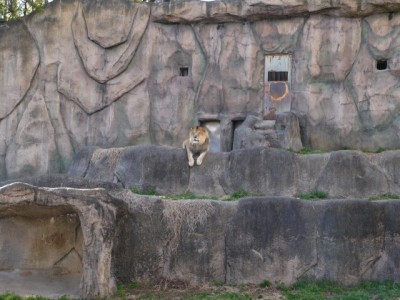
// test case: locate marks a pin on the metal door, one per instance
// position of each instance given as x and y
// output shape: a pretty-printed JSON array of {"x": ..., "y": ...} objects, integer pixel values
[{"x": 277, "y": 80}]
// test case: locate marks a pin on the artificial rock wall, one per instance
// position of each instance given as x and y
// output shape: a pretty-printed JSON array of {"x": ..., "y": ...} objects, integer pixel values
[
  {"x": 260, "y": 171},
  {"x": 128, "y": 237},
  {"x": 113, "y": 73}
]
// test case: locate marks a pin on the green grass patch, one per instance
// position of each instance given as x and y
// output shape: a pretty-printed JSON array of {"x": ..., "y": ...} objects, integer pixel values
[
  {"x": 13, "y": 296},
  {"x": 380, "y": 150},
  {"x": 330, "y": 290},
  {"x": 313, "y": 195},
  {"x": 121, "y": 291},
  {"x": 302, "y": 290},
  {"x": 265, "y": 284},
  {"x": 134, "y": 285},
  {"x": 145, "y": 191},
  {"x": 386, "y": 196},
  {"x": 183, "y": 196},
  {"x": 311, "y": 151},
  {"x": 240, "y": 193},
  {"x": 346, "y": 148},
  {"x": 10, "y": 296}
]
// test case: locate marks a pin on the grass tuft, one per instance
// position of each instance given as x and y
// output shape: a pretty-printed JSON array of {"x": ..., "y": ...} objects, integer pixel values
[
  {"x": 380, "y": 150},
  {"x": 386, "y": 196},
  {"x": 305, "y": 290},
  {"x": 10, "y": 296},
  {"x": 310, "y": 151},
  {"x": 301, "y": 290},
  {"x": 13, "y": 296},
  {"x": 146, "y": 191},
  {"x": 121, "y": 291},
  {"x": 134, "y": 285},
  {"x": 265, "y": 284},
  {"x": 345, "y": 148},
  {"x": 240, "y": 193},
  {"x": 314, "y": 195}
]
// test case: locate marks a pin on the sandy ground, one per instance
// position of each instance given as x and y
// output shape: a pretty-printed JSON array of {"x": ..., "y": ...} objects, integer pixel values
[{"x": 39, "y": 282}]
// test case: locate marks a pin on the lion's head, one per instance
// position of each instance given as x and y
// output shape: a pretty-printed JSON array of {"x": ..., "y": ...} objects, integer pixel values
[{"x": 198, "y": 135}]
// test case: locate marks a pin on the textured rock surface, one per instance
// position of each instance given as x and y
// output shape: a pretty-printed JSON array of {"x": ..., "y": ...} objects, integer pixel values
[
  {"x": 284, "y": 132},
  {"x": 275, "y": 239},
  {"x": 18, "y": 64},
  {"x": 227, "y": 10},
  {"x": 146, "y": 73},
  {"x": 147, "y": 238},
  {"x": 259, "y": 170}
]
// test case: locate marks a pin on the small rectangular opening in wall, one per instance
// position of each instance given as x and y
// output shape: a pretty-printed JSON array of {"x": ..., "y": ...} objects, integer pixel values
[
  {"x": 381, "y": 64},
  {"x": 278, "y": 76},
  {"x": 184, "y": 71}
]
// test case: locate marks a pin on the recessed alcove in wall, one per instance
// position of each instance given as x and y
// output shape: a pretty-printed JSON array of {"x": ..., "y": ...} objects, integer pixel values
[
  {"x": 235, "y": 125},
  {"x": 41, "y": 250},
  {"x": 214, "y": 131}
]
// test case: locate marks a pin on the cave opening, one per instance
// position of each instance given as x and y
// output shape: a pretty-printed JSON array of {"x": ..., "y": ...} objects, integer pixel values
[{"x": 41, "y": 250}]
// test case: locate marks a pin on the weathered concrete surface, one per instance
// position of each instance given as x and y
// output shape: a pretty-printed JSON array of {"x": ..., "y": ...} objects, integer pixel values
[
  {"x": 59, "y": 231},
  {"x": 68, "y": 80},
  {"x": 264, "y": 171}
]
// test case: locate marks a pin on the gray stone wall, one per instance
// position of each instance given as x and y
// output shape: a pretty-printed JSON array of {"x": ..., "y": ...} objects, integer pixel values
[
  {"x": 260, "y": 171},
  {"x": 107, "y": 73},
  {"x": 282, "y": 240}
]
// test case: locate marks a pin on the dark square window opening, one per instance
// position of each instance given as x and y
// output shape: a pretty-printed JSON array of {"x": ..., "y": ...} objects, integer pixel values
[
  {"x": 381, "y": 64},
  {"x": 278, "y": 76},
  {"x": 184, "y": 71}
]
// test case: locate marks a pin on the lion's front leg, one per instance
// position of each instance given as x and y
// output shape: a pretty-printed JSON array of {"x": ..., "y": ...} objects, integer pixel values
[
  {"x": 201, "y": 157},
  {"x": 190, "y": 157}
]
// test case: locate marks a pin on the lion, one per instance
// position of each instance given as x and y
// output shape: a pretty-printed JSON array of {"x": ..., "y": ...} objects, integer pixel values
[{"x": 197, "y": 145}]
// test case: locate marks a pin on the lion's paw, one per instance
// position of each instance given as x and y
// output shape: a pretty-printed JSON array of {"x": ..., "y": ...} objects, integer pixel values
[{"x": 191, "y": 162}]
